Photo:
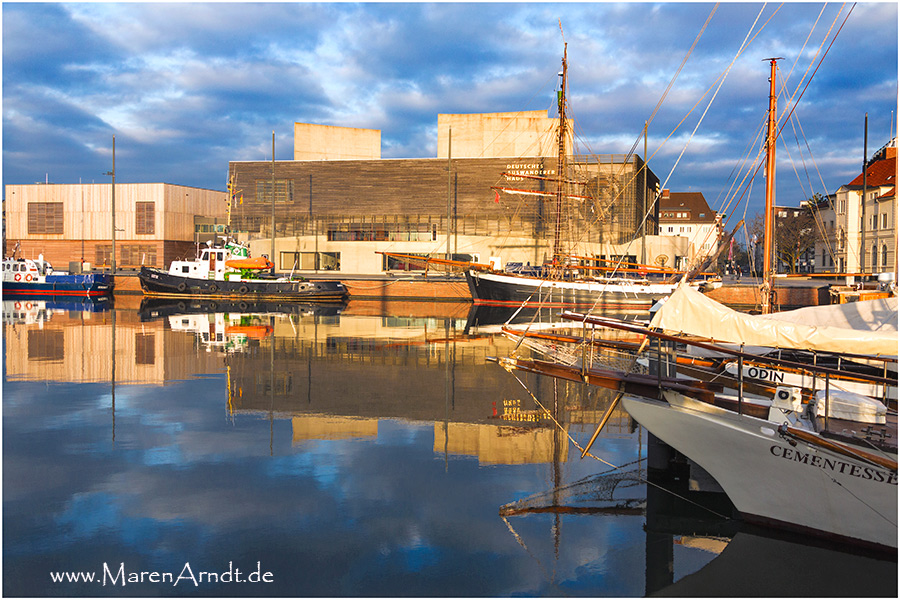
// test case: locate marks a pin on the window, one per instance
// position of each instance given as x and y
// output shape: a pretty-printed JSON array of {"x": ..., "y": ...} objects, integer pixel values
[
  {"x": 309, "y": 261},
  {"x": 284, "y": 190},
  {"x": 874, "y": 256},
  {"x": 884, "y": 220},
  {"x": 144, "y": 348},
  {"x": 133, "y": 255},
  {"x": 145, "y": 218},
  {"x": 884, "y": 256},
  {"x": 45, "y": 217},
  {"x": 46, "y": 345},
  {"x": 103, "y": 255}
]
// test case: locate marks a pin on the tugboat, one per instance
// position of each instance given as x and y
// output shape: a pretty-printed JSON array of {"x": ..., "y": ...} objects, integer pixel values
[
  {"x": 36, "y": 278},
  {"x": 226, "y": 272}
]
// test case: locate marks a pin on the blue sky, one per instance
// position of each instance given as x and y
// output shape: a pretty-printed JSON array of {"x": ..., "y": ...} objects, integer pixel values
[{"x": 188, "y": 87}]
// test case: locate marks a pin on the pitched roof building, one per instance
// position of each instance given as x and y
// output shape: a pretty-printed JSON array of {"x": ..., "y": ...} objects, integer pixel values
[
  {"x": 860, "y": 225},
  {"x": 687, "y": 214}
]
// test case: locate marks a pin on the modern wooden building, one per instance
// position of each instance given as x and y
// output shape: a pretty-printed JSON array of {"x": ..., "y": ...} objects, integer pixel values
[
  {"x": 155, "y": 223},
  {"x": 476, "y": 201}
]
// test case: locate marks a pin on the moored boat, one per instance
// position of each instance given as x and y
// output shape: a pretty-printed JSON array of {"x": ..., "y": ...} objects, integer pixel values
[
  {"x": 209, "y": 276},
  {"x": 620, "y": 293},
  {"x": 26, "y": 277}
]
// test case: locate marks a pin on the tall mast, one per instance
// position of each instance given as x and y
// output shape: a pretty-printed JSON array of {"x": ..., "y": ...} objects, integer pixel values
[
  {"x": 769, "y": 219},
  {"x": 561, "y": 162}
]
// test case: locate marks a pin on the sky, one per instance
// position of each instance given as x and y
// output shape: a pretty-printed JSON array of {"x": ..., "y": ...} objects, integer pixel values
[{"x": 187, "y": 87}]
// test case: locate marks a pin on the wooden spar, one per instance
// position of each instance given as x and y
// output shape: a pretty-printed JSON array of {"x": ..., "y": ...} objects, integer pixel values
[
  {"x": 536, "y": 193},
  {"x": 837, "y": 447},
  {"x": 769, "y": 219},
  {"x": 696, "y": 367},
  {"x": 635, "y": 384},
  {"x": 612, "y": 405},
  {"x": 540, "y": 178},
  {"x": 459, "y": 264},
  {"x": 561, "y": 166},
  {"x": 506, "y": 511},
  {"x": 706, "y": 345}
]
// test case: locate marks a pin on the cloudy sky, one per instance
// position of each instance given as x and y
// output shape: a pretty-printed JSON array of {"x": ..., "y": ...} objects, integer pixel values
[{"x": 186, "y": 88}]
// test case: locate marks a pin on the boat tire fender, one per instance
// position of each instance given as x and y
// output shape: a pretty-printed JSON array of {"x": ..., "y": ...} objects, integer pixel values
[
  {"x": 181, "y": 287},
  {"x": 214, "y": 288},
  {"x": 243, "y": 289},
  {"x": 242, "y": 306}
]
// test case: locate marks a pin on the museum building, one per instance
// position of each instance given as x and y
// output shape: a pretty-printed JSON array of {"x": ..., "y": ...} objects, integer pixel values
[{"x": 488, "y": 195}]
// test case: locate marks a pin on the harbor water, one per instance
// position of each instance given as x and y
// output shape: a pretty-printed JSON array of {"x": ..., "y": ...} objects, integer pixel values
[{"x": 362, "y": 449}]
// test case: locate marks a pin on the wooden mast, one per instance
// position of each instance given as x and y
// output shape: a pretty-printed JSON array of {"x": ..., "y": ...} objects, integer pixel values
[
  {"x": 769, "y": 219},
  {"x": 560, "y": 165}
]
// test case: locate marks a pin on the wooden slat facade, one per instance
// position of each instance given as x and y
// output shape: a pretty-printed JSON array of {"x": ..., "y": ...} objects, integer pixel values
[
  {"x": 166, "y": 210},
  {"x": 417, "y": 190}
]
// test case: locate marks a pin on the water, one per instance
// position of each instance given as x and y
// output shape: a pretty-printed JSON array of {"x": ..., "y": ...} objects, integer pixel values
[{"x": 364, "y": 450}]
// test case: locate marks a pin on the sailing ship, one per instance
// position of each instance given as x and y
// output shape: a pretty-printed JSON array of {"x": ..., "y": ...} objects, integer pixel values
[
  {"x": 565, "y": 280},
  {"x": 803, "y": 455},
  {"x": 225, "y": 271}
]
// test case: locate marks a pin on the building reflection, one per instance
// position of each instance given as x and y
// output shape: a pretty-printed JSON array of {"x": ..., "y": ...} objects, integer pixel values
[{"x": 333, "y": 373}]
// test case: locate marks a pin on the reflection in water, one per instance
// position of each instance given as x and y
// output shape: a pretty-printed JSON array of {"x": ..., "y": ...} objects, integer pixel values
[{"x": 356, "y": 450}]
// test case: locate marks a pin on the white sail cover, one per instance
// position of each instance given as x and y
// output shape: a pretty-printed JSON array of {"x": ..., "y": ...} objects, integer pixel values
[{"x": 831, "y": 329}]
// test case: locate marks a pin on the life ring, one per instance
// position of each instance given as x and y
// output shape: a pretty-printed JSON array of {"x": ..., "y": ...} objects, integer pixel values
[
  {"x": 18, "y": 277},
  {"x": 181, "y": 287},
  {"x": 18, "y": 305},
  {"x": 29, "y": 306},
  {"x": 27, "y": 276},
  {"x": 243, "y": 289}
]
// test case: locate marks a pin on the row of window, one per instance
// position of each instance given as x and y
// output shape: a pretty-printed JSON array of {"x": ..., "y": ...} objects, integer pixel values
[
  {"x": 884, "y": 221},
  {"x": 828, "y": 261},
  {"x": 46, "y": 218},
  {"x": 49, "y": 345}
]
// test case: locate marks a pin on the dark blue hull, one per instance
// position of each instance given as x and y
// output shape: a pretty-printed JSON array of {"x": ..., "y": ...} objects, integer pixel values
[{"x": 87, "y": 284}]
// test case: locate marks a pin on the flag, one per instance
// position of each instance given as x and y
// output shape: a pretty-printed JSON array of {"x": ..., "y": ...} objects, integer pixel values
[
  {"x": 242, "y": 198},
  {"x": 497, "y": 197},
  {"x": 731, "y": 250}
]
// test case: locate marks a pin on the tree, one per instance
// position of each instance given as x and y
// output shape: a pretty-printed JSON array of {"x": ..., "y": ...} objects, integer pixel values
[{"x": 794, "y": 236}]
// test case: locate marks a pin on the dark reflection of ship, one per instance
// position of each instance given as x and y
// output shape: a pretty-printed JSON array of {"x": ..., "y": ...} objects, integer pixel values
[
  {"x": 489, "y": 319},
  {"x": 155, "y": 308},
  {"x": 754, "y": 563}
]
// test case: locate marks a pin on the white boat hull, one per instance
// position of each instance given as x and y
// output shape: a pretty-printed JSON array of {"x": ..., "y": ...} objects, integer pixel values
[{"x": 802, "y": 488}]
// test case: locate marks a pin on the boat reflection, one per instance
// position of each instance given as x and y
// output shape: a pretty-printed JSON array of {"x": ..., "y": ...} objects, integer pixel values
[
  {"x": 755, "y": 563},
  {"x": 22, "y": 311}
]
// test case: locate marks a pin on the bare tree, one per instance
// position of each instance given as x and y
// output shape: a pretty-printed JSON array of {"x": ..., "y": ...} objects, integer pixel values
[{"x": 794, "y": 236}]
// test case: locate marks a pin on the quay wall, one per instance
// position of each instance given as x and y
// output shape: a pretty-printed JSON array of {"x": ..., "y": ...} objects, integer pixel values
[{"x": 382, "y": 289}]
